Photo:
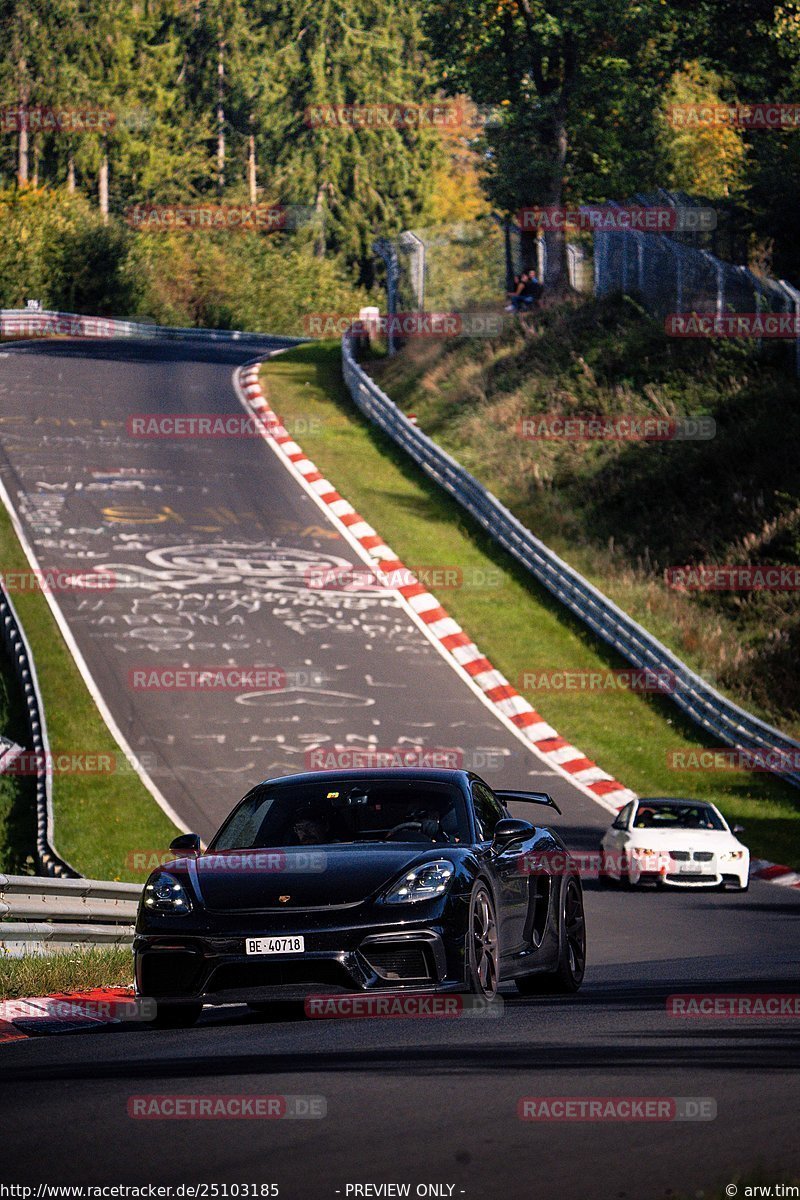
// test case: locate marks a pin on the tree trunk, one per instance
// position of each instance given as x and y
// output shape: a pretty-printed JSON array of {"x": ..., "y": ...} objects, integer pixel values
[
  {"x": 220, "y": 116},
  {"x": 36, "y": 156},
  {"x": 22, "y": 168},
  {"x": 251, "y": 168},
  {"x": 71, "y": 171},
  {"x": 556, "y": 272},
  {"x": 103, "y": 188},
  {"x": 320, "y": 245},
  {"x": 23, "y": 141}
]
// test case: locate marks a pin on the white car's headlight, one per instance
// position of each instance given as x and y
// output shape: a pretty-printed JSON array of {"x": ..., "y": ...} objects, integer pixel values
[
  {"x": 423, "y": 883},
  {"x": 730, "y": 855},
  {"x": 164, "y": 893}
]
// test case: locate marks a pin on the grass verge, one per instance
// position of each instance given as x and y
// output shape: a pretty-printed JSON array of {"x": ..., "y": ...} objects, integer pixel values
[
  {"x": 516, "y": 623},
  {"x": 67, "y": 971},
  {"x": 99, "y": 818}
]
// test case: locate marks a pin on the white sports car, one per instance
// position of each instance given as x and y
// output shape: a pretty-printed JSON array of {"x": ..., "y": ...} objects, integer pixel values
[{"x": 676, "y": 842}]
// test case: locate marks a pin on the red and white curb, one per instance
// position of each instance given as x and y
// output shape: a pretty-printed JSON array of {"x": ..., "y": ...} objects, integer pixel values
[
  {"x": 773, "y": 873},
  {"x": 66, "y": 1012},
  {"x": 456, "y": 645}
]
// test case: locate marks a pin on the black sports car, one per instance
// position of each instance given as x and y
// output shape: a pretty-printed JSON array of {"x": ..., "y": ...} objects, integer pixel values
[{"x": 362, "y": 881}]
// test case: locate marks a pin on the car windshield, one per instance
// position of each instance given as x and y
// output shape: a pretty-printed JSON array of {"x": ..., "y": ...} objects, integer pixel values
[
  {"x": 676, "y": 816},
  {"x": 347, "y": 811}
]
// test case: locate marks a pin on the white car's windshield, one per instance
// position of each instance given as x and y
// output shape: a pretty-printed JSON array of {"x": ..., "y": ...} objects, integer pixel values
[{"x": 676, "y": 816}]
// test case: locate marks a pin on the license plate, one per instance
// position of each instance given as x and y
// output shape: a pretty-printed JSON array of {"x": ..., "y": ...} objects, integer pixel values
[
  {"x": 690, "y": 869},
  {"x": 275, "y": 945}
]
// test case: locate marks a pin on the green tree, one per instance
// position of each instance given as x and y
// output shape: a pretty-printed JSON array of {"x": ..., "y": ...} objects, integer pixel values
[
  {"x": 576, "y": 82},
  {"x": 358, "y": 182}
]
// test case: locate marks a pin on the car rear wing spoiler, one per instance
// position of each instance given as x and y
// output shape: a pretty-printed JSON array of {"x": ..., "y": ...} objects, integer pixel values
[{"x": 529, "y": 798}]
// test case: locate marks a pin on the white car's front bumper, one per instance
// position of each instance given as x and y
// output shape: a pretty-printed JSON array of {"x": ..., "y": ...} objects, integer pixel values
[{"x": 691, "y": 874}]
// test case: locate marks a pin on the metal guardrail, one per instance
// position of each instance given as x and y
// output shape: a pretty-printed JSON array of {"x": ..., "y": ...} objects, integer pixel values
[
  {"x": 36, "y": 913},
  {"x": 713, "y": 712},
  {"x": 35, "y": 323},
  {"x": 49, "y": 860}
]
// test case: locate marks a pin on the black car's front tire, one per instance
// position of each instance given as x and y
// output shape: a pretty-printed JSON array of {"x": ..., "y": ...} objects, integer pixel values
[
  {"x": 483, "y": 952},
  {"x": 570, "y": 969},
  {"x": 176, "y": 1016}
]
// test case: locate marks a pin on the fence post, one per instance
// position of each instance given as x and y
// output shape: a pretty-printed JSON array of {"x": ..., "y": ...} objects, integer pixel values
[
  {"x": 414, "y": 245},
  {"x": 384, "y": 248},
  {"x": 793, "y": 297},
  {"x": 676, "y": 250}
]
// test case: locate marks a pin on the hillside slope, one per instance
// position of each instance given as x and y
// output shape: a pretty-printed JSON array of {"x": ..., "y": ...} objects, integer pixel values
[{"x": 624, "y": 512}]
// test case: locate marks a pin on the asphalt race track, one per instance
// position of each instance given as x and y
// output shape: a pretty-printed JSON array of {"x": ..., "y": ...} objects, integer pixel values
[
  {"x": 210, "y": 547},
  {"x": 210, "y": 543}
]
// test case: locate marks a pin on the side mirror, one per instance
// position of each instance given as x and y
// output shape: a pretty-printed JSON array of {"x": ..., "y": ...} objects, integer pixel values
[
  {"x": 510, "y": 830},
  {"x": 738, "y": 829},
  {"x": 187, "y": 843}
]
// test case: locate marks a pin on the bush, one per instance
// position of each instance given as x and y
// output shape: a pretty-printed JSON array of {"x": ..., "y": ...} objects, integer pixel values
[{"x": 56, "y": 249}]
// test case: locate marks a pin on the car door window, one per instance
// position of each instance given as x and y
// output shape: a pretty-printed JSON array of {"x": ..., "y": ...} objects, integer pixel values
[
  {"x": 623, "y": 818},
  {"x": 488, "y": 811}
]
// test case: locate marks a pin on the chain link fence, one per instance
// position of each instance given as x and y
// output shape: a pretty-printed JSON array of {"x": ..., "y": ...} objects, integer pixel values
[
  {"x": 465, "y": 267},
  {"x": 670, "y": 275}
]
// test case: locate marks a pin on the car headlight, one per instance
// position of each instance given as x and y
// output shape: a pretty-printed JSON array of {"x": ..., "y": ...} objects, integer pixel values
[
  {"x": 730, "y": 855},
  {"x": 646, "y": 853},
  {"x": 164, "y": 893},
  {"x": 423, "y": 883}
]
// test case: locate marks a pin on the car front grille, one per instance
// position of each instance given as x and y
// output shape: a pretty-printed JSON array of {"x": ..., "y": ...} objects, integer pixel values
[
  {"x": 690, "y": 877},
  {"x": 688, "y": 856},
  {"x": 300, "y": 974},
  {"x": 398, "y": 960},
  {"x": 703, "y": 856}
]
